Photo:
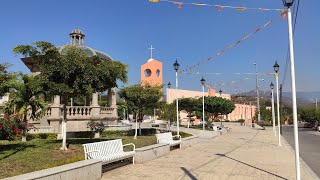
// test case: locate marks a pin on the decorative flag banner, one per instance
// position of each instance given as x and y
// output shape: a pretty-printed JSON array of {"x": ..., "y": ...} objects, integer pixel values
[
  {"x": 223, "y": 50},
  {"x": 218, "y": 7},
  {"x": 215, "y": 73},
  {"x": 209, "y": 85}
]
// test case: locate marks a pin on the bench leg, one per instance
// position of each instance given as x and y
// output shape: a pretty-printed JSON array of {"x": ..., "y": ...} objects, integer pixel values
[{"x": 132, "y": 160}]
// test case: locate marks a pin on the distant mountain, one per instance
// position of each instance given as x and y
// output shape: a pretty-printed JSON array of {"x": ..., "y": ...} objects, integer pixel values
[{"x": 303, "y": 98}]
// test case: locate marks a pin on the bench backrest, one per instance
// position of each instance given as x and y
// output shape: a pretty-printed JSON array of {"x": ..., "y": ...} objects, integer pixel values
[
  {"x": 105, "y": 148},
  {"x": 164, "y": 137}
]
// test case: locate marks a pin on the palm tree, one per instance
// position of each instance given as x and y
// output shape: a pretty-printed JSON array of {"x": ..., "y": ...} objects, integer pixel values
[{"x": 25, "y": 100}]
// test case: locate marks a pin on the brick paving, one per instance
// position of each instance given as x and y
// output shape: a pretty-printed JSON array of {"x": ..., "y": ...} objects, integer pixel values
[{"x": 244, "y": 153}]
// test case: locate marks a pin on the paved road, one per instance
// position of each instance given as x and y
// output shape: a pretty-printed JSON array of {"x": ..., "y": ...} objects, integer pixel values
[{"x": 309, "y": 141}]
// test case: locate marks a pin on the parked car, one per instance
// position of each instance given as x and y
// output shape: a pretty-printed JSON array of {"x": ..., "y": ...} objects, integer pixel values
[{"x": 307, "y": 125}]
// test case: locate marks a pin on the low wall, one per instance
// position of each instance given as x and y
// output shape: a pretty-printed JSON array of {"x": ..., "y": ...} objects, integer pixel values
[
  {"x": 189, "y": 141},
  {"x": 118, "y": 127},
  {"x": 82, "y": 170},
  {"x": 198, "y": 132},
  {"x": 148, "y": 153}
]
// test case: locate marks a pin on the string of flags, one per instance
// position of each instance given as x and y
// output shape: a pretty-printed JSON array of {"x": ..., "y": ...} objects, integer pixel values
[
  {"x": 209, "y": 85},
  {"x": 225, "y": 49},
  {"x": 212, "y": 73},
  {"x": 219, "y": 8}
]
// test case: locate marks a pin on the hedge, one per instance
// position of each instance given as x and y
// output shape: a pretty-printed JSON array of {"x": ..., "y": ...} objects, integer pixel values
[
  {"x": 113, "y": 133},
  {"x": 48, "y": 136}
]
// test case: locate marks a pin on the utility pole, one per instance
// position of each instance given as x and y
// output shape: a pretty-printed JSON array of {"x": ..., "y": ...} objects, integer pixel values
[
  {"x": 251, "y": 115},
  {"x": 281, "y": 109},
  {"x": 257, "y": 88}
]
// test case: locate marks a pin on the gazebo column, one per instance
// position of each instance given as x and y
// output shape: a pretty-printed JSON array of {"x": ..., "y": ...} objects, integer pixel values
[
  {"x": 55, "y": 107},
  {"x": 95, "y": 108},
  {"x": 112, "y": 101}
]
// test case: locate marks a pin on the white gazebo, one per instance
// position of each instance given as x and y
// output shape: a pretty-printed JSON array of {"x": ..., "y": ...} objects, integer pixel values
[{"x": 78, "y": 116}]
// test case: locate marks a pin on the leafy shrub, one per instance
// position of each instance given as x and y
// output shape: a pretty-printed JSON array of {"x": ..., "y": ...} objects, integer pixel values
[
  {"x": 84, "y": 134},
  {"x": 115, "y": 133},
  {"x": 264, "y": 123},
  {"x": 96, "y": 126},
  {"x": 216, "y": 120},
  {"x": 241, "y": 120},
  {"x": 119, "y": 133},
  {"x": 182, "y": 134},
  {"x": 11, "y": 126},
  {"x": 50, "y": 136},
  {"x": 226, "y": 120}
]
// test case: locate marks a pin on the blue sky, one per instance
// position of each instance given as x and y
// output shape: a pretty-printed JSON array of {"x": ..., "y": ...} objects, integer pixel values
[{"x": 125, "y": 29}]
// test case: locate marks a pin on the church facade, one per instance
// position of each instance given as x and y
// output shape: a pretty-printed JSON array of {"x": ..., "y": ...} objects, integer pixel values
[{"x": 151, "y": 73}]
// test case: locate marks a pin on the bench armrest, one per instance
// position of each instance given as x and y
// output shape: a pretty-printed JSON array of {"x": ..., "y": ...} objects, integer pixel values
[
  {"x": 177, "y": 136},
  {"x": 134, "y": 146},
  {"x": 93, "y": 151}
]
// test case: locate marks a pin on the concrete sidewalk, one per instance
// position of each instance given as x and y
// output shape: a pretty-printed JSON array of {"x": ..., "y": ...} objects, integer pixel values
[{"x": 244, "y": 153}]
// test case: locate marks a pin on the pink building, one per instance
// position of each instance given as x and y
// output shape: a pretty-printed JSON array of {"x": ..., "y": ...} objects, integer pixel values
[{"x": 241, "y": 111}]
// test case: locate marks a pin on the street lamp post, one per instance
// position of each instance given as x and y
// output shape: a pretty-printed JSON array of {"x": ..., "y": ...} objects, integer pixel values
[
  {"x": 257, "y": 89},
  {"x": 169, "y": 87},
  {"x": 203, "y": 82},
  {"x": 273, "y": 112},
  {"x": 176, "y": 66},
  {"x": 316, "y": 101},
  {"x": 220, "y": 92},
  {"x": 276, "y": 69},
  {"x": 288, "y": 4}
]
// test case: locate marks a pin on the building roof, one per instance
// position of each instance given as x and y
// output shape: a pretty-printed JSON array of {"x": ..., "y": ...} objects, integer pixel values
[{"x": 88, "y": 52}]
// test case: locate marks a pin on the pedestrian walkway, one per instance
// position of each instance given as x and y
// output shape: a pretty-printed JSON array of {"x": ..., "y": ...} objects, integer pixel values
[{"x": 244, "y": 153}]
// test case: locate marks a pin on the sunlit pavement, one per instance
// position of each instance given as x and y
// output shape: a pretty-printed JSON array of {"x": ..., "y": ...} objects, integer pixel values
[{"x": 244, "y": 153}]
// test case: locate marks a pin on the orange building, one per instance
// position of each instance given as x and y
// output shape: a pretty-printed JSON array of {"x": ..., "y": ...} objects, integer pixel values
[{"x": 151, "y": 72}]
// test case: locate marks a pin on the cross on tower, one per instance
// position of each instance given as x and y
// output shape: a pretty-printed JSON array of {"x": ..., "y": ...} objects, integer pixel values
[{"x": 151, "y": 48}]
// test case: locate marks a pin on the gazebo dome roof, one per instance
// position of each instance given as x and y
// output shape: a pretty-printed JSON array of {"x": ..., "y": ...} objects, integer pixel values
[
  {"x": 88, "y": 52},
  {"x": 76, "y": 31}
]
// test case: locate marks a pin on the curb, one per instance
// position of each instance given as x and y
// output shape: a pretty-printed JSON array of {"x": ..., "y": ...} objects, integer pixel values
[{"x": 308, "y": 169}]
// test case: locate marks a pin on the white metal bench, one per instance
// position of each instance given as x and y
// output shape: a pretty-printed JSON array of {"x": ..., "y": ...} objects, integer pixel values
[
  {"x": 108, "y": 151},
  {"x": 167, "y": 138}
]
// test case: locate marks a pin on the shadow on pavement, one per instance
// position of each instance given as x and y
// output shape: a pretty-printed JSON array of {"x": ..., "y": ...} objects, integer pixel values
[
  {"x": 223, "y": 155},
  {"x": 188, "y": 173}
]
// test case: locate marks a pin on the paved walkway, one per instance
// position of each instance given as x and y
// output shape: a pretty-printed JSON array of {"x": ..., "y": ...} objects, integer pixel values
[{"x": 243, "y": 153}]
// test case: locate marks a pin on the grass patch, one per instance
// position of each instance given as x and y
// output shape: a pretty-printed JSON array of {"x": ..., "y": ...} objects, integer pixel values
[{"x": 24, "y": 157}]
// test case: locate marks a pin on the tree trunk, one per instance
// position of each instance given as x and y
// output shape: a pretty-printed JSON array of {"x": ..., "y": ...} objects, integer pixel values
[
  {"x": 140, "y": 120},
  {"x": 189, "y": 119},
  {"x": 136, "y": 129},
  {"x": 24, "y": 132},
  {"x": 64, "y": 125}
]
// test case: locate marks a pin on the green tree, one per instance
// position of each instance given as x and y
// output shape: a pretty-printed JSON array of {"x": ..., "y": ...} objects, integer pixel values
[
  {"x": 25, "y": 101},
  {"x": 139, "y": 97},
  {"x": 122, "y": 107},
  {"x": 6, "y": 78},
  {"x": 190, "y": 105},
  {"x": 310, "y": 114},
  {"x": 72, "y": 73},
  {"x": 218, "y": 106},
  {"x": 266, "y": 115},
  {"x": 167, "y": 112}
]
